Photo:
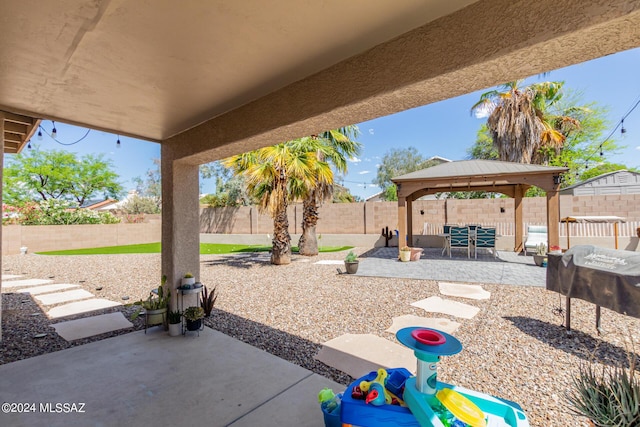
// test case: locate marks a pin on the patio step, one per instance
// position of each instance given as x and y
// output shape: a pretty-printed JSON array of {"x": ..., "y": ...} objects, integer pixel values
[
  {"x": 37, "y": 290},
  {"x": 25, "y": 282},
  {"x": 463, "y": 290},
  {"x": 60, "y": 297},
  {"x": 441, "y": 324},
  {"x": 81, "y": 307}
]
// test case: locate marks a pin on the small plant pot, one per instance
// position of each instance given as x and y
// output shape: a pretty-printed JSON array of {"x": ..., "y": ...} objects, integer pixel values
[
  {"x": 187, "y": 282},
  {"x": 351, "y": 267},
  {"x": 405, "y": 256},
  {"x": 175, "y": 329},
  {"x": 540, "y": 260},
  {"x": 191, "y": 289},
  {"x": 194, "y": 325},
  {"x": 156, "y": 317}
]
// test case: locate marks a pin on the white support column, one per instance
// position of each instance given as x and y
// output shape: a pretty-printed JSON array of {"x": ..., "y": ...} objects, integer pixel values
[{"x": 180, "y": 220}]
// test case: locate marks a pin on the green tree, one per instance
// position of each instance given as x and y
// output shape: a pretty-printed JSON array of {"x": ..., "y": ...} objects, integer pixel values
[
  {"x": 275, "y": 175},
  {"x": 43, "y": 175},
  {"x": 334, "y": 147},
  {"x": 151, "y": 186},
  {"x": 602, "y": 169},
  {"x": 396, "y": 162}
]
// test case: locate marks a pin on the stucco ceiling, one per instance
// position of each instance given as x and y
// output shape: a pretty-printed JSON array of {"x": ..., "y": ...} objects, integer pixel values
[{"x": 153, "y": 69}]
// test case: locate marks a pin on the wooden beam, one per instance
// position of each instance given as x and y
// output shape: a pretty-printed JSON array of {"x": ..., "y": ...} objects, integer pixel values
[
  {"x": 518, "y": 195},
  {"x": 16, "y": 128},
  {"x": 12, "y": 137},
  {"x": 553, "y": 217},
  {"x": 18, "y": 118}
]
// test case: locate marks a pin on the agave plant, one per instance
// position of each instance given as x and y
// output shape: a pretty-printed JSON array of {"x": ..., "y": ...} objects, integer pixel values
[
  {"x": 208, "y": 300},
  {"x": 609, "y": 397}
]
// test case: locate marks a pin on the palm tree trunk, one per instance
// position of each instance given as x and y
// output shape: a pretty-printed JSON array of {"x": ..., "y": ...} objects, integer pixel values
[
  {"x": 308, "y": 243},
  {"x": 281, "y": 244}
]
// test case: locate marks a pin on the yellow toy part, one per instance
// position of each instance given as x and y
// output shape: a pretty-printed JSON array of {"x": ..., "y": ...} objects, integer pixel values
[
  {"x": 381, "y": 378},
  {"x": 461, "y": 407}
]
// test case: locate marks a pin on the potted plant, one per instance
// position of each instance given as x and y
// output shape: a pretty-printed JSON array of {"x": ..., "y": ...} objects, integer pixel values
[
  {"x": 540, "y": 257},
  {"x": 193, "y": 316},
  {"x": 351, "y": 263},
  {"x": 553, "y": 249},
  {"x": 155, "y": 306},
  {"x": 175, "y": 323},
  {"x": 405, "y": 254},
  {"x": 187, "y": 281}
]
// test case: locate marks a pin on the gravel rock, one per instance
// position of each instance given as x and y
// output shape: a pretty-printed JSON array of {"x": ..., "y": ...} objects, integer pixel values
[{"x": 515, "y": 348}]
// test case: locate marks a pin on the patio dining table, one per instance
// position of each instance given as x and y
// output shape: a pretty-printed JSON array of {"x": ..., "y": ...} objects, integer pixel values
[{"x": 446, "y": 236}]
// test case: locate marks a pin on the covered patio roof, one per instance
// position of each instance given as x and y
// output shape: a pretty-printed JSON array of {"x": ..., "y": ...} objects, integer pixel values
[
  {"x": 511, "y": 179},
  {"x": 212, "y": 79}
]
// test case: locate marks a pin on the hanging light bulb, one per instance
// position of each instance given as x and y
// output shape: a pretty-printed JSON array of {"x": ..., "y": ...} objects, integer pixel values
[
  {"x": 622, "y": 129},
  {"x": 29, "y": 144},
  {"x": 118, "y": 142},
  {"x": 39, "y": 135},
  {"x": 54, "y": 132},
  {"x": 601, "y": 153}
]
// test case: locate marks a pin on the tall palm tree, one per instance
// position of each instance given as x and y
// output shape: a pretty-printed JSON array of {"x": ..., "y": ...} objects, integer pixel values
[
  {"x": 274, "y": 175},
  {"x": 335, "y": 147},
  {"x": 522, "y": 123}
]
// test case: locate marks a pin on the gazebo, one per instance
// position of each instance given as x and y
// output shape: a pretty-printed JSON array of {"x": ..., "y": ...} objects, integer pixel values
[{"x": 511, "y": 179}]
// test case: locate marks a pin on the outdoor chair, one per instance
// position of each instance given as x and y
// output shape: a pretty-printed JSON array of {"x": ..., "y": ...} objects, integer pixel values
[
  {"x": 459, "y": 238},
  {"x": 536, "y": 234},
  {"x": 446, "y": 230},
  {"x": 485, "y": 238}
]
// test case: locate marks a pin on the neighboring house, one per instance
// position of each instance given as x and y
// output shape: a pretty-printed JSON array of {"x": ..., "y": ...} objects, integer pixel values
[
  {"x": 375, "y": 198},
  {"x": 617, "y": 182},
  {"x": 99, "y": 205}
]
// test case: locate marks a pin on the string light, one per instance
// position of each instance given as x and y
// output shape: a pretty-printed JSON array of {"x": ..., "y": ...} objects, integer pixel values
[
  {"x": 29, "y": 144},
  {"x": 39, "y": 135},
  {"x": 622, "y": 130},
  {"x": 54, "y": 132},
  {"x": 118, "y": 142}
]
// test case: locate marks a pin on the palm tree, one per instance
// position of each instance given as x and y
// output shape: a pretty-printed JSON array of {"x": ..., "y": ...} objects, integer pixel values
[
  {"x": 274, "y": 175},
  {"x": 335, "y": 147},
  {"x": 521, "y": 121}
]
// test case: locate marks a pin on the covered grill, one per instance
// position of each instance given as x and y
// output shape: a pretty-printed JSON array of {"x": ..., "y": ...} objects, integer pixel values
[{"x": 606, "y": 277}]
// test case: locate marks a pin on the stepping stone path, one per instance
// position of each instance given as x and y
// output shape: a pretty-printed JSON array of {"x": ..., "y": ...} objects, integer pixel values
[
  {"x": 407, "y": 320},
  {"x": 47, "y": 293},
  {"x": 358, "y": 355},
  {"x": 452, "y": 308},
  {"x": 463, "y": 291}
]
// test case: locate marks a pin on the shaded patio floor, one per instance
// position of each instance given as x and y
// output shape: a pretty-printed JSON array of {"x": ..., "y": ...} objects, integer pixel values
[
  {"x": 508, "y": 268},
  {"x": 154, "y": 379}
]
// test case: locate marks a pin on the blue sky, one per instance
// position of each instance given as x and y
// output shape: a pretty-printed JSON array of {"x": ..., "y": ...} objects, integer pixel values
[{"x": 445, "y": 129}]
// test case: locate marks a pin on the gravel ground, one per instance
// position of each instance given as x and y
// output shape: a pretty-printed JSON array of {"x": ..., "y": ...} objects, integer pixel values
[{"x": 514, "y": 348}]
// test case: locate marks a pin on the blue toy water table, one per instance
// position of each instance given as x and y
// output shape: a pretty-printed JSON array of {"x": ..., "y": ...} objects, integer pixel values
[{"x": 423, "y": 393}]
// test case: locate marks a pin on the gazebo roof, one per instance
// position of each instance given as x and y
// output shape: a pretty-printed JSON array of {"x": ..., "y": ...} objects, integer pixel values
[{"x": 476, "y": 168}]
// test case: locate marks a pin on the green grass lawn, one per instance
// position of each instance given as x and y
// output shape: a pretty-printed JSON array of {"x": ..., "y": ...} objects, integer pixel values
[{"x": 205, "y": 249}]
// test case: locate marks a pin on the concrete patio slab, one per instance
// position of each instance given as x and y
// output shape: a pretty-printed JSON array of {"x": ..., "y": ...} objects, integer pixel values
[
  {"x": 90, "y": 326},
  {"x": 60, "y": 297},
  {"x": 154, "y": 379},
  {"x": 80, "y": 307},
  {"x": 463, "y": 290},
  {"x": 10, "y": 276},
  {"x": 359, "y": 354},
  {"x": 25, "y": 282},
  {"x": 452, "y": 308},
  {"x": 36, "y": 290},
  {"x": 439, "y": 323}
]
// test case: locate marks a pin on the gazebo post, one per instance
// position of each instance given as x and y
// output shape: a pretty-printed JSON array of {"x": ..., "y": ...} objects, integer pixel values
[
  {"x": 409, "y": 234},
  {"x": 402, "y": 221},
  {"x": 553, "y": 218},
  {"x": 519, "y": 232}
]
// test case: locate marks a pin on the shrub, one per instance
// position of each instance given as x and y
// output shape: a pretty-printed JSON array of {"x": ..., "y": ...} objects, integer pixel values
[{"x": 56, "y": 212}]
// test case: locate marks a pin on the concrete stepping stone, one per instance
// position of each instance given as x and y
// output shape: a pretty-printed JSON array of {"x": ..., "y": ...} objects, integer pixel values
[
  {"x": 439, "y": 323},
  {"x": 330, "y": 262},
  {"x": 25, "y": 282},
  {"x": 463, "y": 291},
  {"x": 47, "y": 288},
  {"x": 90, "y": 326},
  {"x": 452, "y": 308},
  {"x": 10, "y": 276},
  {"x": 358, "y": 355},
  {"x": 60, "y": 297},
  {"x": 80, "y": 307}
]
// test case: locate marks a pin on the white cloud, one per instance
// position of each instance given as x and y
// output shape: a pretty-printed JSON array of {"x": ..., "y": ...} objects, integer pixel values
[
  {"x": 638, "y": 147},
  {"x": 371, "y": 132},
  {"x": 363, "y": 172},
  {"x": 355, "y": 160},
  {"x": 377, "y": 165}
]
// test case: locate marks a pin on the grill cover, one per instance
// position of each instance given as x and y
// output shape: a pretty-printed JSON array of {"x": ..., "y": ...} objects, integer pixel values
[{"x": 607, "y": 277}]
